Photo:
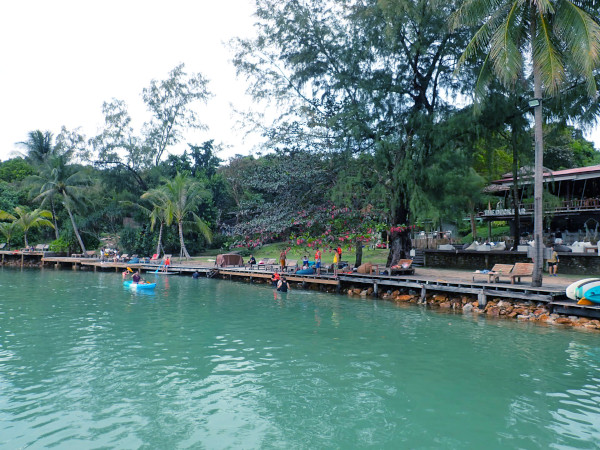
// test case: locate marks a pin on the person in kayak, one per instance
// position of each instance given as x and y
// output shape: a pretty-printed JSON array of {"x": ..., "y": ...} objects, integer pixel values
[{"x": 136, "y": 277}]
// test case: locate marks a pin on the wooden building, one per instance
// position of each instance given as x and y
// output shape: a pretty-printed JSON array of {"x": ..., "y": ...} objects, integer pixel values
[{"x": 572, "y": 207}]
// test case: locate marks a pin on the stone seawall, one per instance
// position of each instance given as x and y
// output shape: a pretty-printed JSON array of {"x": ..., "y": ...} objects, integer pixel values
[
  {"x": 570, "y": 263},
  {"x": 495, "y": 309}
]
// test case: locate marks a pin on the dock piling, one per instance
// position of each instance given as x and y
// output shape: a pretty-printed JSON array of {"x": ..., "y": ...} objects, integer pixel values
[{"x": 482, "y": 298}]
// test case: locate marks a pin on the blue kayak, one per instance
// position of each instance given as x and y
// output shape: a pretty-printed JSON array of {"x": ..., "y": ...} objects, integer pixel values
[{"x": 132, "y": 285}]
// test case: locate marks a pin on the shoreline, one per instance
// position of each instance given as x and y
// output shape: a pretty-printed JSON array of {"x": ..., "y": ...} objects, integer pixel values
[{"x": 499, "y": 307}]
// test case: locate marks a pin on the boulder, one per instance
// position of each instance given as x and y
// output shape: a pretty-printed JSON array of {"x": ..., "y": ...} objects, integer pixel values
[
  {"x": 494, "y": 311},
  {"x": 467, "y": 308},
  {"x": 445, "y": 305},
  {"x": 564, "y": 321},
  {"x": 403, "y": 298}
]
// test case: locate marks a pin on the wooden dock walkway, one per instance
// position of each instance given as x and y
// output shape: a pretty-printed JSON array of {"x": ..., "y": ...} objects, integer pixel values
[{"x": 420, "y": 283}]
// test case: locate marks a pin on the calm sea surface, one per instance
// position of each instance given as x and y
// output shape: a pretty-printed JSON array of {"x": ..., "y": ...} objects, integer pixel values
[{"x": 85, "y": 363}]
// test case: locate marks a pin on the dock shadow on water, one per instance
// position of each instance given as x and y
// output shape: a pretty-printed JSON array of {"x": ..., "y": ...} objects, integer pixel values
[{"x": 213, "y": 364}]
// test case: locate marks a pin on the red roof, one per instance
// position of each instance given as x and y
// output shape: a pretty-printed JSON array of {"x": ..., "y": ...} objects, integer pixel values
[{"x": 560, "y": 173}]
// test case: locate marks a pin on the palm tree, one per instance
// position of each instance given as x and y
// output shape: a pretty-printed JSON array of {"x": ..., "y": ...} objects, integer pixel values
[
  {"x": 27, "y": 220},
  {"x": 58, "y": 179},
  {"x": 160, "y": 212},
  {"x": 39, "y": 146},
  {"x": 556, "y": 37},
  {"x": 184, "y": 196},
  {"x": 8, "y": 230}
]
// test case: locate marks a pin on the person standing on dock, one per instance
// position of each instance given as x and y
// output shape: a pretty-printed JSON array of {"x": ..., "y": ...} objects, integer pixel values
[
  {"x": 318, "y": 261},
  {"x": 553, "y": 262},
  {"x": 336, "y": 261},
  {"x": 282, "y": 257},
  {"x": 252, "y": 261}
]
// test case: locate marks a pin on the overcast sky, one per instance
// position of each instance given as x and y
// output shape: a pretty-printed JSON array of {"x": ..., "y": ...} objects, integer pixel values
[{"x": 61, "y": 59}]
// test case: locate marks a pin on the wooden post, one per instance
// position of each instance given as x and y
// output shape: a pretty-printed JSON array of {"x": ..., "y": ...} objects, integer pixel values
[
  {"x": 375, "y": 291},
  {"x": 339, "y": 287},
  {"x": 482, "y": 298},
  {"x": 22, "y": 259},
  {"x": 423, "y": 294}
]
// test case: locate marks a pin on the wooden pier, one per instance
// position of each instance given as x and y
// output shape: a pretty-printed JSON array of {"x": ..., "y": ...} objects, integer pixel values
[{"x": 553, "y": 297}]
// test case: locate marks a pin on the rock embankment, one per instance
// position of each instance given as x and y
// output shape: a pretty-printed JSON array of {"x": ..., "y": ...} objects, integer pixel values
[{"x": 502, "y": 309}]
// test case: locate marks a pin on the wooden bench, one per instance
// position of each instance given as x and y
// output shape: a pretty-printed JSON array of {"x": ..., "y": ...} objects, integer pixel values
[
  {"x": 267, "y": 264},
  {"x": 497, "y": 271},
  {"x": 403, "y": 267},
  {"x": 291, "y": 265},
  {"x": 521, "y": 270}
]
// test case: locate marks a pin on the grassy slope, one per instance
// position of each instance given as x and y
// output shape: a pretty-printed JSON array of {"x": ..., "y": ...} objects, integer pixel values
[{"x": 375, "y": 256}]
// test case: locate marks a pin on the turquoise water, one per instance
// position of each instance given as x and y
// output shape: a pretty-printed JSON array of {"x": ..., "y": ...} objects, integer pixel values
[{"x": 85, "y": 363}]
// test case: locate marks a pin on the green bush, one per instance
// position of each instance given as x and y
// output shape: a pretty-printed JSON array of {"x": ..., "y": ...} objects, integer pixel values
[
  {"x": 59, "y": 245},
  {"x": 482, "y": 234}
]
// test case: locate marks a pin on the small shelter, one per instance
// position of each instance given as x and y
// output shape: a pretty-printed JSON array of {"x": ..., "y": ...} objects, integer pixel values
[{"x": 229, "y": 259}]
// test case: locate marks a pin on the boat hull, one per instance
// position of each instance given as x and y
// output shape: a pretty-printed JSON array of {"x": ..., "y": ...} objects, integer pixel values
[{"x": 132, "y": 285}]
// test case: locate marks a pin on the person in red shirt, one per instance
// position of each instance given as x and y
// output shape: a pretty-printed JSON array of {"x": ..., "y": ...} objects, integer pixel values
[
  {"x": 318, "y": 261},
  {"x": 339, "y": 251},
  {"x": 275, "y": 279}
]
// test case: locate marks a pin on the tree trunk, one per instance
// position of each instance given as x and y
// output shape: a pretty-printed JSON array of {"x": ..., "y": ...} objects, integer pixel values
[
  {"x": 160, "y": 232},
  {"x": 25, "y": 238},
  {"x": 75, "y": 229},
  {"x": 515, "y": 187},
  {"x": 359, "y": 251},
  {"x": 400, "y": 243},
  {"x": 183, "y": 249},
  {"x": 399, "y": 248},
  {"x": 473, "y": 226},
  {"x": 538, "y": 213},
  {"x": 54, "y": 219}
]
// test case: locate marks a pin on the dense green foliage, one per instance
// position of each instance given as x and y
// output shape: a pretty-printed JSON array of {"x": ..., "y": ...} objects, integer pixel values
[{"x": 375, "y": 131}]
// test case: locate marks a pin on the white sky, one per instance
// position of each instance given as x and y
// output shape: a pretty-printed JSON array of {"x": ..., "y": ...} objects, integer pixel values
[{"x": 61, "y": 59}]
